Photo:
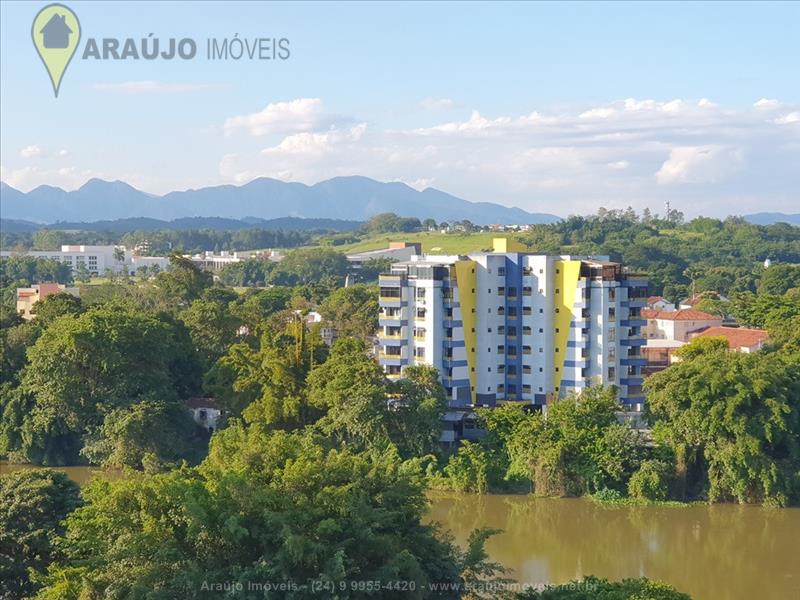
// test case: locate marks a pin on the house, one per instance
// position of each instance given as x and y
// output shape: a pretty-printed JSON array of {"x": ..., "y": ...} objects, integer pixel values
[
  {"x": 740, "y": 339},
  {"x": 27, "y": 297},
  {"x": 659, "y": 354},
  {"x": 677, "y": 325},
  {"x": 459, "y": 425},
  {"x": 696, "y": 299},
  {"x": 205, "y": 411},
  {"x": 659, "y": 303},
  {"x": 56, "y": 32}
]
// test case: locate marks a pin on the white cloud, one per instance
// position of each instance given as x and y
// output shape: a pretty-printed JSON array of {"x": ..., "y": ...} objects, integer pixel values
[
  {"x": 302, "y": 114},
  {"x": 156, "y": 87},
  {"x": 698, "y": 164},
  {"x": 475, "y": 124},
  {"x": 436, "y": 103},
  {"x": 316, "y": 144},
  {"x": 619, "y": 165},
  {"x": 706, "y": 103},
  {"x": 598, "y": 113},
  {"x": 792, "y": 117},
  {"x": 766, "y": 103},
  {"x": 32, "y": 151}
]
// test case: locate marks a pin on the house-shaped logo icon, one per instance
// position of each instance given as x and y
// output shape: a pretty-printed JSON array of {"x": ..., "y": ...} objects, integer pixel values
[{"x": 55, "y": 34}]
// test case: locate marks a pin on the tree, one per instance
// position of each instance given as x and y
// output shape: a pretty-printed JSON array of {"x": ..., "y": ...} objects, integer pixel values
[
  {"x": 274, "y": 375},
  {"x": 578, "y": 448},
  {"x": 184, "y": 281},
  {"x": 779, "y": 279},
  {"x": 83, "y": 367},
  {"x": 33, "y": 503},
  {"x": 54, "y": 306},
  {"x": 313, "y": 265},
  {"x": 415, "y": 414},
  {"x": 733, "y": 421},
  {"x": 212, "y": 328},
  {"x": 149, "y": 434},
  {"x": 47, "y": 239},
  {"x": 352, "y": 390},
  {"x": 651, "y": 481},
  {"x": 265, "y": 506},
  {"x": 352, "y": 311}
]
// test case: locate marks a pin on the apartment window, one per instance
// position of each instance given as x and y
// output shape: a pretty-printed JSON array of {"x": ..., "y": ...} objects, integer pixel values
[
  {"x": 526, "y": 349},
  {"x": 393, "y": 331},
  {"x": 512, "y": 292},
  {"x": 390, "y": 292},
  {"x": 541, "y": 330},
  {"x": 526, "y": 310},
  {"x": 526, "y": 389},
  {"x": 542, "y": 350},
  {"x": 501, "y": 388},
  {"x": 541, "y": 271},
  {"x": 541, "y": 311},
  {"x": 420, "y": 313},
  {"x": 512, "y": 312},
  {"x": 501, "y": 349},
  {"x": 501, "y": 271},
  {"x": 501, "y": 330},
  {"x": 448, "y": 313},
  {"x": 393, "y": 369},
  {"x": 526, "y": 369},
  {"x": 512, "y": 369},
  {"x": 501, "y": 311},
  {"x": 526, "y": 330},
  {"x": 489, "y": 368},
  {"x": 527, "y": 291},
  {"x": 489, "y": 329},
  {"x": 612, "y": 334},
  {"x": 612, "y": 373},
  {"x": 512, "y": 351},
  {"x": 420, "y": 293},
  {"x": 419, "y": 333},
  {"x": 527, "y": 271},
  {"x": 419, "y": 352},
  {"x": 541, "y": 370},
  {"x": 501, "y": 291},
  {"x": 512, "y": 331},
  {"x": 612, "y": 294},
  {"x": 501, "y": 368}
]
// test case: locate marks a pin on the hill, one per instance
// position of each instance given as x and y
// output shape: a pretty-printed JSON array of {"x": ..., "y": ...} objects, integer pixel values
[{"x": 348, "y": 198}]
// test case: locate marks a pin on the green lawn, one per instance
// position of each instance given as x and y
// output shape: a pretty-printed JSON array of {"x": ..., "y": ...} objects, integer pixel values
[{"x": 432, "y": 242}]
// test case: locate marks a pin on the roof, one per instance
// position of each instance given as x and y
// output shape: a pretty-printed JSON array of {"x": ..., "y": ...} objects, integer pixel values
[
  {"x": 657, "y": 343},
  {"x": 684, "y": 314},
  {"x": 202, "y": 403},
  {"x": 738, "y": 337},
  {"x": 654, "y": 299}
]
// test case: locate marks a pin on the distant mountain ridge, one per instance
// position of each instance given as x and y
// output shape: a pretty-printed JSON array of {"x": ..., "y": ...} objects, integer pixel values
[
  {"x": 770, "y": 218},
  {"x": 217, "y": 223},
  {"x": 344, "y": 198}
]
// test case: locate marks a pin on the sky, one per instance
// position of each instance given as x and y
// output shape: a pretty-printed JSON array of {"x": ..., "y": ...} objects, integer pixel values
[{"x": 552, "y": 107}]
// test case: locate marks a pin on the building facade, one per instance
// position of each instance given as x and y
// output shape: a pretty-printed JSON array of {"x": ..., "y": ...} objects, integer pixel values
[
  {"x": 513, "y": 326},
  {"x": 28, "y": 296}
]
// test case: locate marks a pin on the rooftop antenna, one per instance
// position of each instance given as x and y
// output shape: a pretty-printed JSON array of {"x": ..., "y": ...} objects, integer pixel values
[{"x": 667, "y": 209}]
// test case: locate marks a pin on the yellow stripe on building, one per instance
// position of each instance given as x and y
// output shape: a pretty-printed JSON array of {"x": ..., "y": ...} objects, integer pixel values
[
  {"x": 465, "y": 280},
  {"x": 567, "y": 274}
]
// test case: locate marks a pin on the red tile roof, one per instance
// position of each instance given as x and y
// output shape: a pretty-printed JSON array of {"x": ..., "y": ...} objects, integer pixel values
[
  {"x": 738, "y": 337},
  {"x": 685, "y": 314},
  {"x": 654, "y": 299}
]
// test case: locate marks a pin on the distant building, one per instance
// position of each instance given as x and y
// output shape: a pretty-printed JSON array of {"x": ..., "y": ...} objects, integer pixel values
[
  {"x": 740, "y": 339},
  {"x": 205, "y": 411},
  {"x": 27, "y": 297},
  {"x": 659, "y": 303},
  {"x": 677, "y": 325},
  {"x": 659, "y": 355},
  {"x": 96, "y": 260},
  {"x": 397, "y": 251}
]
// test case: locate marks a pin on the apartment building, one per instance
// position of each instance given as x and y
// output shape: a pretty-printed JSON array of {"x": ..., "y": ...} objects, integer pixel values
[
  {"x": 96, "y": 259},
  {"x": 508, "y": 325}
]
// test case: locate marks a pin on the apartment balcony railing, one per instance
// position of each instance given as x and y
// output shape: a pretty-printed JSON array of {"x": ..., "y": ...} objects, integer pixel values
[
  {"x": 638, "y": 361},
  {"x": 634, "y": 322}
]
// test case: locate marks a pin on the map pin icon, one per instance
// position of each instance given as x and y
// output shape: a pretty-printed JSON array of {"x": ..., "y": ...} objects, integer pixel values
[{"x": 56, "y": 33}]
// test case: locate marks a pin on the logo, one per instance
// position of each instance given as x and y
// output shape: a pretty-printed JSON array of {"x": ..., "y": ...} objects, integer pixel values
[{"x": 56, "y": 33}]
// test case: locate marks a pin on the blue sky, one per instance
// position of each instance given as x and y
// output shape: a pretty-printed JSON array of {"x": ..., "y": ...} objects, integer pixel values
[{"x": 551, "y": 107}]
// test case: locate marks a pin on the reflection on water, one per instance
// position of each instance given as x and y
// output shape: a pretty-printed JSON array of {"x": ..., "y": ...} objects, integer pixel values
[{"x": 720, "y": 552}]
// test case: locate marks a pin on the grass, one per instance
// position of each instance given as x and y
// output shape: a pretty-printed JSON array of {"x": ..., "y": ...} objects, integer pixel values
[{"x": 432, "y": 242}]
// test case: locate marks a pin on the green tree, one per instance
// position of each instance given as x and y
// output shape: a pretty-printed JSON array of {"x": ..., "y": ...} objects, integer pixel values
[
  {"x": 212, "y": 328},
  {"x": 83, "y": 367},
  {"x": 54, "y": 306},
  {"x": 33, "y": 503},
  {"x": 184, "y": 281},
  {"x": 592, "y": 588},
  {"x": 353, "y": 310},
  {"x": 265, "y": 506},
  {"x": 733, "y": 421},
  {"x": 149, "y": 434},
  {"x": 651, "y": 481},
  {"x": 312, "y": 265},
  {"x": 779, "y": 279}
]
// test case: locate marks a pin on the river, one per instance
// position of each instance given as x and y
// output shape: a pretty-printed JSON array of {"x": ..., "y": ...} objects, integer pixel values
[{"x": 717, "y": 552}]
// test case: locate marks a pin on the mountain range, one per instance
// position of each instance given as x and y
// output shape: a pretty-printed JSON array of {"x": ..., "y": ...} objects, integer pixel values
[{"x": 348, "y": 198}]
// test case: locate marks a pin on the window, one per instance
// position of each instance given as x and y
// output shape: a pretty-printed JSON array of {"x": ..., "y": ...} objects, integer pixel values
[
  {"x": 512, "y": 331},
  {"x": 501, "y": 330},
  {"x": 501, "y": 291},
  {"x": 526, "y": 389},
  {"x": 526, "y": 330},
  {"x": 612, "y": 315},
  {"x": 501, "y": 271},
  {"x": 612, "y": 334},
  {"x": 501, "y": 368},
  {"x": 501, "y": 311},
  {"x": 419, "y": 352},
  {"x": 419, "y": 333},
  {"x": 420, "y": 313},
  {"x": 501, "y": 349},
  {"x": 448, "y": 313},
  {"x": 526, "y": 310},
  {"x": 527, "y": 291},
  {"x": 390, "y": 292},
  {"x": 501, "y": 388},
  {"x": 512, "y": 292},
  {"x": 393, "y": 369},
  {"x": 612, "y": 294},
  {"x": 512, "y": 369},
  {"x": 526, "y": 369},
  {"x": 612, "y": 373},
  {"x": 420, "y": 293}
]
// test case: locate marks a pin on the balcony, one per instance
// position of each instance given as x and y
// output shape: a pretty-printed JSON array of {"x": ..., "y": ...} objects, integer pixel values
[
  {"x": 638, "y": 361},
  {"x": 634, "y": 322},
  {"x": 632, "y": 381},
  {"x": 633, "y": 342},
  {"x": 634, "y": 303}
]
